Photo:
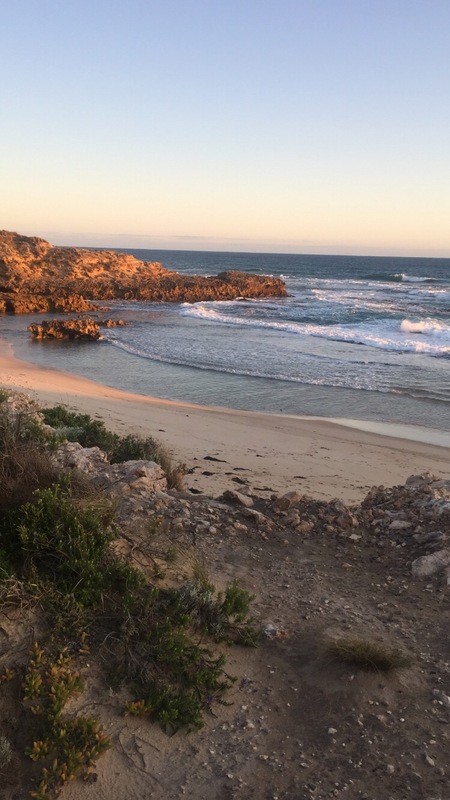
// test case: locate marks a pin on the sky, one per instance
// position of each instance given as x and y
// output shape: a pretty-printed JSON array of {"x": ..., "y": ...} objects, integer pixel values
[{"x": 299, "y": 126}]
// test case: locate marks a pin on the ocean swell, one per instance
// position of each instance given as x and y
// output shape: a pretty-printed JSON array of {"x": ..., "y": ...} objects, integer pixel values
[{"x": 429, "y": 337}]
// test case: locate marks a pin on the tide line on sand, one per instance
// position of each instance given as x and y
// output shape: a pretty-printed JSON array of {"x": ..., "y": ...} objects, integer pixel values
[{"x": 270, "y": 453}]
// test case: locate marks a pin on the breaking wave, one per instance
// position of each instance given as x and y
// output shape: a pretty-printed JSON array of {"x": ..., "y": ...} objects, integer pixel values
[
  {"x": 402, "y": 277},
  {"x": 429, "y": 336},
  {"x": 428, "y": 327}
]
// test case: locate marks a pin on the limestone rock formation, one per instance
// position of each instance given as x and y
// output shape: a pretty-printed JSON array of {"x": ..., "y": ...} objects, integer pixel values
[
  {"x": 23, "y": 303},
  {"x": 36, "y": 276}
]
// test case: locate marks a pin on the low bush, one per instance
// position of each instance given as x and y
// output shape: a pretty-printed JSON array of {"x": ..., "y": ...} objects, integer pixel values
[
  {"x": 174, "y": 678},
  {"x": 53, "y": 538},
  {"x": 223, "y": 616},
  {"x": 62, "y": 546},
  {"x": 81, "y": 428}
]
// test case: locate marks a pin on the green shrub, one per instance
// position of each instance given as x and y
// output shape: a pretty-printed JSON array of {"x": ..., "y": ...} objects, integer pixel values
[
  {"x": 224, "y": 616},
  {"x": 24, "y": 469},
  {"x": 60, "y": 542},
  {"x": 81, "y": 428},
  {"x": 25, "y": 463},
  {"x": 134, "y": 448},
  {"x": 175, "y": 679}
]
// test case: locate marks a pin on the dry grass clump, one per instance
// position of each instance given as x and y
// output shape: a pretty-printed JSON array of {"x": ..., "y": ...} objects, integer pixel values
[
  {"x": 23, "y": 470},
  {"x": 25, "y": 463},
  {"x": 368, "y": 655},
  {"x": 6, "y": 753},
  {"x": 173, "y": 472}
]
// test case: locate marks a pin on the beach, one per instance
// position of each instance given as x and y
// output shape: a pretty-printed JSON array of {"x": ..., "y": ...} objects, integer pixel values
[{"x": 271, "y": 453}]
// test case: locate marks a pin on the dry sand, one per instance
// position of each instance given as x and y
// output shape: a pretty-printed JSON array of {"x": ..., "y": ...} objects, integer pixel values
[{"x": 275, "y": 453}]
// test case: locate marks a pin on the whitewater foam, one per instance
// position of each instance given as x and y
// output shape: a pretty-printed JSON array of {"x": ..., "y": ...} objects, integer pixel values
[
  {"x": 386, "y": 334},
  {"x": 413, "y": 278},
  {"x": 430, "y": 327}
]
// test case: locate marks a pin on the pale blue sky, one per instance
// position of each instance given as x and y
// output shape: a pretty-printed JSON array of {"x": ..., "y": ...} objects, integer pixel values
[{"x": 264, "y": 125}]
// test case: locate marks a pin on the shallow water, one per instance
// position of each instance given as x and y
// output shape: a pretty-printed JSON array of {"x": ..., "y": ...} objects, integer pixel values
[{"x": 367, "y": 338}]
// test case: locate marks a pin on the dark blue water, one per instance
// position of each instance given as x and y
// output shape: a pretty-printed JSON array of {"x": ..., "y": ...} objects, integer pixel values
[{"x": 362, "y": 337}]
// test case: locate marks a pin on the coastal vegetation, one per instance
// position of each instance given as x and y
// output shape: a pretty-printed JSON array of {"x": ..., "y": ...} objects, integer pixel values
[
  {"x": 154, "y": 642},
  {"x": 91, "y": 432},
  {"x": 113, "y": 632}
]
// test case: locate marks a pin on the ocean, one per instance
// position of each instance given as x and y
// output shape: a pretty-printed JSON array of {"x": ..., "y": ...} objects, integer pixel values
[{"x": 366, "y": 338}]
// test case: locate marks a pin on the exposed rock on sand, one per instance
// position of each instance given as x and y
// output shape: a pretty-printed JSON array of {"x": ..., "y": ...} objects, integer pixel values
[
  {"x": 36, "y": 276},
  {"x": 420, "y": 506}
]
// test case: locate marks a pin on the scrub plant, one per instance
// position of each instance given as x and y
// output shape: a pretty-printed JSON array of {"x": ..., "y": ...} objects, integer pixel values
[
  {"x": 25, "y": 446},
  {"x": 67, "y": 746},
  {"x": 174, "y": 675},
  {"x": 225, "y": 616}
]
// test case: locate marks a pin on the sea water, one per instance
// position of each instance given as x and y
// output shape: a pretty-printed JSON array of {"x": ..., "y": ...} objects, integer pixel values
[{"x": 357, "y": 337}]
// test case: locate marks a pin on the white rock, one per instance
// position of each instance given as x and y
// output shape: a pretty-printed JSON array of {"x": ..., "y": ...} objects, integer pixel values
[
  {"x": 238, "y": 498},
  {"x": 426, "y": 566},
  {"x": 399, "y": 525}
]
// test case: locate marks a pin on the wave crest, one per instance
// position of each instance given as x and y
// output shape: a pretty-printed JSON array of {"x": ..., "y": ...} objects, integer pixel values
[{"x": 429, "y": 327}]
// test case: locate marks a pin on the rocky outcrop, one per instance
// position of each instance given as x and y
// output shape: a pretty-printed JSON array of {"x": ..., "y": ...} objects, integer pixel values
[
  {"x": 86, "y": 329},
  {"x": 129, "y": 476},
  {"x": 411, "y": 520},
  {"x": 36, "y": 276},
  {"x": 112, "y": 323},
  {"x": 23, "y": 303}
]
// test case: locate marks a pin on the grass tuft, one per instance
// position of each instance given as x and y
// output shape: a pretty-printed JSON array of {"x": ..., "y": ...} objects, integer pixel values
[{"x": 368, "y": 655}]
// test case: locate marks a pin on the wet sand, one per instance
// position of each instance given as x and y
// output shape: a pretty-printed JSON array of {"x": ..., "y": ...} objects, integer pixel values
[{"x": 268, "y": 452}]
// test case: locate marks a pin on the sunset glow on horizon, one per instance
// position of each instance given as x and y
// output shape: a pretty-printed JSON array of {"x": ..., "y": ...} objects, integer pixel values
[{"x": 291, "y": 127}]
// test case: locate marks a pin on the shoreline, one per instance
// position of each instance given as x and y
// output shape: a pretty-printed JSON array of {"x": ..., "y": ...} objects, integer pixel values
[{"x": 269, "y": 453}]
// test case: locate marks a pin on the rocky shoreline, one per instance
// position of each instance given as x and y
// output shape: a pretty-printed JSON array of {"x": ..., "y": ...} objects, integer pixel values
[
  {"x": 413, "y": 518},
  {"x": 36, "y": 276}
]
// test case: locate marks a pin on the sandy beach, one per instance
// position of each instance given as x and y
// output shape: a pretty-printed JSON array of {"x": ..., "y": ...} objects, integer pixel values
[
  {"x": 274, "y": 453},
  {"x": 290, "y": 698}
]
